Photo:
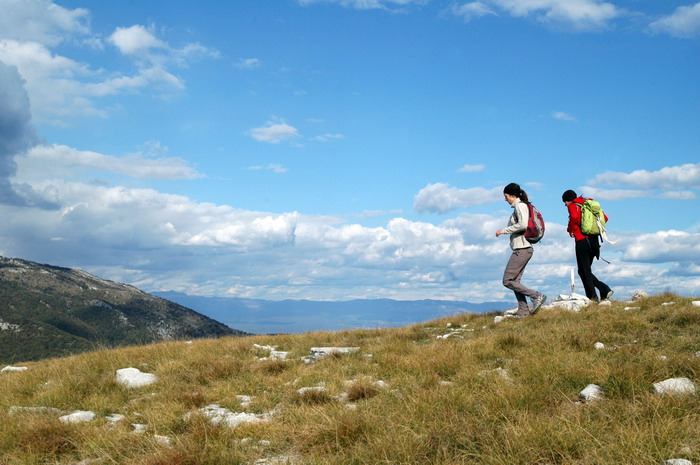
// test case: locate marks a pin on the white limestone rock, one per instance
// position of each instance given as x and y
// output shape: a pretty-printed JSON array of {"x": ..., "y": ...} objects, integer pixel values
[
  {"x": 591, "y": 393},
  {"x": 668, "y": 304},
  {"x": 663, "y": 358},
  {"x": 245, "y": 401},
  {"x": 115, "y": 418},
  {"x": 678, "y": 462},
  {"x": 278, "y": 355},
  {"x": 139, "y": 428},
  {"x": 501, "y": 318},
  {"x": 605, "y": 303},
  {"x": 639, "y": 295},
  {"x": 79, "y": 416},
  {"x": 218, "y": 415},
  {"x": 675, "y": 386},
  {"x": 133, "y": 378},
  {"x": 695, "y": 303},
  {"x": 164, "y": 441},
  {"x": 627, "y": 309},
  {"x": 311, "y": 389},
  {"x": 599, "y": 346},
  {"x": 320, "y": 352},
  {"x": 11, "y": 369}
]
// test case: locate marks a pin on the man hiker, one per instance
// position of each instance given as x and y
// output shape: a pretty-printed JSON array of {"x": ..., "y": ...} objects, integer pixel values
[{"x": 587, "y": 247}]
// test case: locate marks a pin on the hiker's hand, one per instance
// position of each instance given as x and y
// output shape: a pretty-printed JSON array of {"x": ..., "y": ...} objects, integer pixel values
[{"x": 498, "y": 233}]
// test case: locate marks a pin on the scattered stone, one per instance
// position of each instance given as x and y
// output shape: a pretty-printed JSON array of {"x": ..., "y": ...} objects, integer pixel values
[
  {"x": 668, "y": 304},
  {"x": 591, "y": 392},
  {"x": 79, "y": 416},
  {"x": 697, "y": 354},
  {"x": 279, "y": 460},
  {"x": 41, "y": 410},
  {"x": 246, "y": 441},
  {"x": 312, "y": 389},
  {"x": 632, "y": 308},
  {"x": 448, "y": 325},
  {"x": 675, "y": 386},
  {"x": 139, "y": 428},
  {"x": 678, "y": 462},
  {"x": 381, "y": 384},
  {"x": 264, "y": 443},
  {"x": 695, "y": 303},
  {"x": 511, "y": 311},
  {"x": 571, "y": 302},
  {"x": 320, "y": 352},
  {"x": 115, "y": 418},
  {"x": 368, "y": 356},
  {"x": 134, "y": 378},
  {"x": 445, "y": 383},
  {"x": 188, "y": 342},
  {"x": 164, "y": 441},
  {"x": 663, "y": 358},
  {"x": 599, "y": 346},
  {"x": 244, "y": 400},
  {"x": 351, "y": 406},
  {"x": 639, "y": 295},
  {"x": 265, "y": 348},
  {"x": 500, "y": 318},
  {"x": 278, "y": 355},
  {"x": 221, "y": 416},
  {"x": 11, "y": 369},
  {"x": 605, "y": 303}
]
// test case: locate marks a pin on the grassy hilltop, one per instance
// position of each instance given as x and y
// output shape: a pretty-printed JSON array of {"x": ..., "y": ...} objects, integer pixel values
[{"x": 445, "y": 400}]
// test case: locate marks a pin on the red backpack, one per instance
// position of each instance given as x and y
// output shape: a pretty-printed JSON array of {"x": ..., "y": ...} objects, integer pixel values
[{"x": 535, "y": 225}]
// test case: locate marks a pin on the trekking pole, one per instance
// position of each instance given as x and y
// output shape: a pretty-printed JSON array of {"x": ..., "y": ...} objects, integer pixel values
[{"x": 573, "y": 283}]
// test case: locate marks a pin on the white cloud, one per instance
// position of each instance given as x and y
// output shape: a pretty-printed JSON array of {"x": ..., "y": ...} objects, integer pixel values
[
  {"x": 563, "y": 116},
  {"x": 61, "y": 87},
  {"x": 664, "y": 246},
  {"x": 669, "y": 178},
  {"x": 579, "y": 14},
  {"x": 41, "y": 21},
  {"x": 442, "y": 198},
  {"x": 366, "y": 4},
  {"x": 327, "y": 137},
  {"x": 472, "y": 168},
  {"x": 273, "y": 167},
  {"x": 137, "y": 166},
  {"x": 684, "y": 22},
  {"x": 469, "y": 11},
  {"x": 613, "y": 194},
  {"x": 135, "y": 39},
  {"x": 274, "y": 132},
  {"x": 249, "y": 63}
]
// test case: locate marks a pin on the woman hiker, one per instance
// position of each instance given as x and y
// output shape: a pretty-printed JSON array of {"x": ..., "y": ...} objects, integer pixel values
[
  {"x": 522, "y": 251},
  {"x": 587, "y": 247}
]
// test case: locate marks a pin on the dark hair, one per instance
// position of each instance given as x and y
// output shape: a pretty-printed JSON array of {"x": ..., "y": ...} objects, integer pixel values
[
  {"x": 516, "y": 190},
  {"x": 568, "y": 196}
]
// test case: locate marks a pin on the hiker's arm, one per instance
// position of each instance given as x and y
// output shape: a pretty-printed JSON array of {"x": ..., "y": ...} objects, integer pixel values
[
  {"x": 574, "y": 217},
  {"x": 523, "y": 216}
]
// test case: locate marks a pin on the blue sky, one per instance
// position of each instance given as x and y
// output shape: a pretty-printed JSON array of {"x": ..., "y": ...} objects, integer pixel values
[{"x": 331, "y": 149}]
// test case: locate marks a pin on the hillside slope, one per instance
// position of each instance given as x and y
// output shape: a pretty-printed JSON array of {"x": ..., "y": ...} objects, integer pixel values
[
  {"x": 50, "y": 311},
  {"x": 489, "y": 394}
]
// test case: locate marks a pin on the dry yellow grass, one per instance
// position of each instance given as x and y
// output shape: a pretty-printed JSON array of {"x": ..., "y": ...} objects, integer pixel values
[{"x": 446, "y": 401}]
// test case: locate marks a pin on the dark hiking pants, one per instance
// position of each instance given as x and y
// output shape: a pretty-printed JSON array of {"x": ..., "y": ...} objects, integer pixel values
[
  {"x": 512, "y": 274},
  {"x": 586, "y": 250}
]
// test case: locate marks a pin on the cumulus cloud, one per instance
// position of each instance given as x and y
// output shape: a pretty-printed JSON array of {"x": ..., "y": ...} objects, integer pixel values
[
  {"x": 563, "y": 116},
  {"x": 442, "y": 198},
  {"x": 273, "y": 167},
  {"x": 366, "y": 4},
  {"x": 613, "y": 194},
  {"x": 579, "y": 14},
  {"x": 472, "y": 168},
  {"x": 248, "y": 63},
  {"x": 135, "y": 165},
  {"x": 328, "y": 137},
  {"x": 274, "y": 132},
  {"x": 469, "y": 11},
  {"x": 16, "y": 131},
  {"x": 684, "y": 22},
  {"x": 135, "y": 39},
  {"x": 664, "y": 246},
  {"x": 670, "y": 177},
  {"x": 41, "y": 21}
]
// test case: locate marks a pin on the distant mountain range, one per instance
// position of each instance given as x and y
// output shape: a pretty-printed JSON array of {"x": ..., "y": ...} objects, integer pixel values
[
  {"x": 295, "y": 316},
  {"x": 48, "y": 311}
]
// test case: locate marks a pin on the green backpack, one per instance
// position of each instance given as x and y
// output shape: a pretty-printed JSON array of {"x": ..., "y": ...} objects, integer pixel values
[{"x": 592, "y": 218}]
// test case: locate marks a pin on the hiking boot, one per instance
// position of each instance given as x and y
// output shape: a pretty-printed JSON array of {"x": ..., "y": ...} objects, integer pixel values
[
  {"x": 609, "y": 295},
  {"x": 537, "y": 303}
]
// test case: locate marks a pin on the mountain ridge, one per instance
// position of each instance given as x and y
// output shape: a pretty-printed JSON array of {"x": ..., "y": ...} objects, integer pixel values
[{"x": 48, "y": 310}]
